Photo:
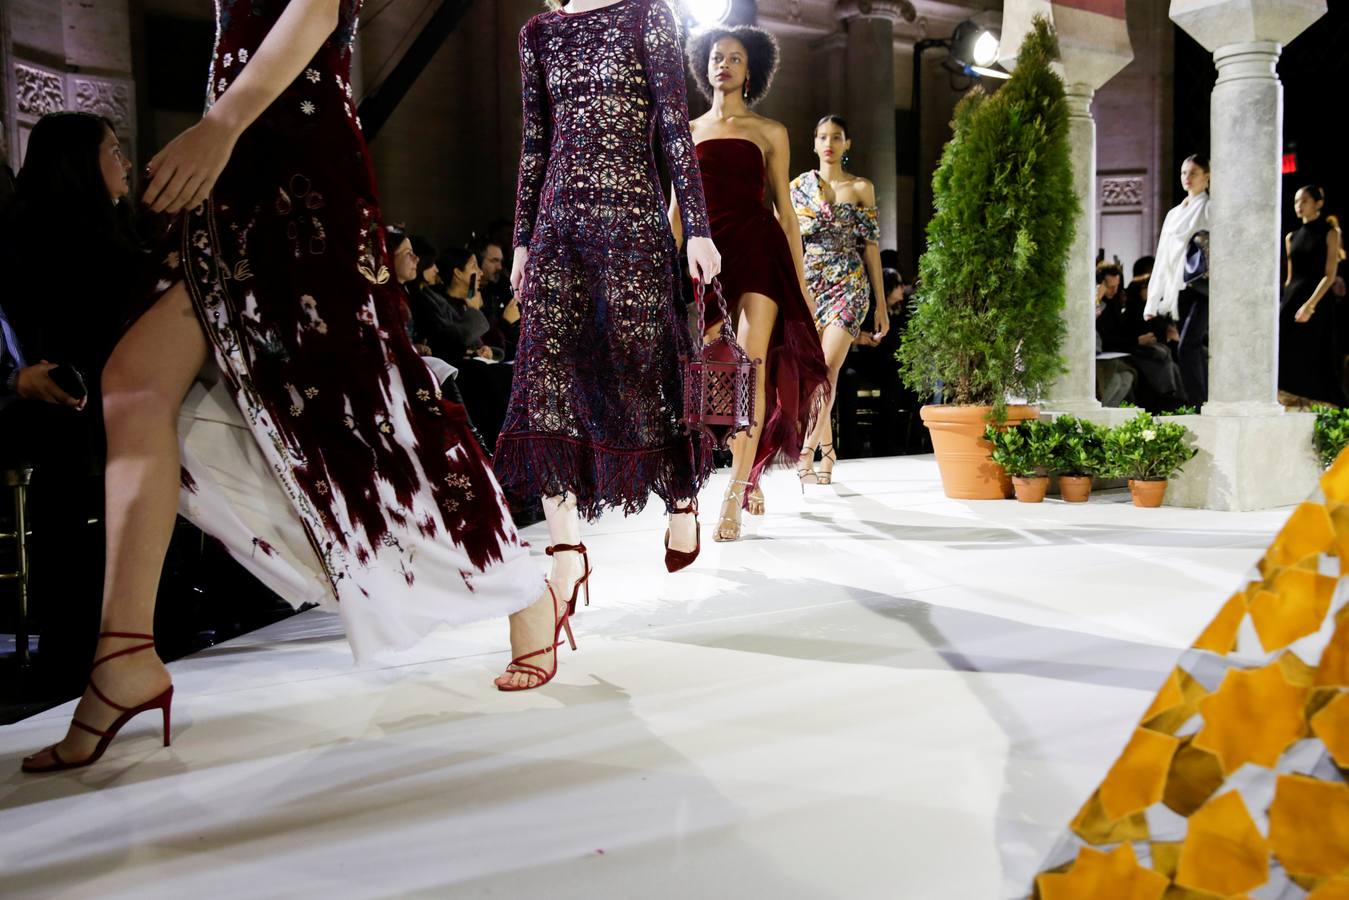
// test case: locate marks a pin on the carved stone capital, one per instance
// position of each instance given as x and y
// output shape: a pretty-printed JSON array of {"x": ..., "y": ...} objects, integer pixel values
[
  {"x": 109, "y": 98},
  {"x": 1094, "y": 45},
  {"x": 1121, "y": 191},
  {"x": 895, "y": 10},
  {"x": 1218, "y": 23}
]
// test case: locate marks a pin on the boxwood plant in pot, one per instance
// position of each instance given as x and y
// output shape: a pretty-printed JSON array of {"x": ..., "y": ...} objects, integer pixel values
[
  {"x": 986, "y": 325},
  {"x": 1148, "y": 453},
  {"x": 1026, "y": 451},
  {"x": 1079, "y": 457}
]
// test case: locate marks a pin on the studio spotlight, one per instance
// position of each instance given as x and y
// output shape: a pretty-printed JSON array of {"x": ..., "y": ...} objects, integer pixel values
[
  {"x": 973, "y": 45},
  {"x": 708, "y": 12}
]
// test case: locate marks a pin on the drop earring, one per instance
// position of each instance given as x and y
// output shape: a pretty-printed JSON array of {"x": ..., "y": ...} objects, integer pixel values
[{"x": 746, "y": 90}]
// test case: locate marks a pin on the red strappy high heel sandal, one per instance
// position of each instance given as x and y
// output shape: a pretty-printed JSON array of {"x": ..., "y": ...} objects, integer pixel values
[
  {"x": 519, "y": 666},
  {"x": 161, "y": 702},
  {"x": 678, "y": 559}
]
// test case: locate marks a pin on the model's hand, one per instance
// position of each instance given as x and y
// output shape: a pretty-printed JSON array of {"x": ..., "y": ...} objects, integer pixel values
[
  {"x": 184, "y": 172},
  {"x": 704, "y": 260},
  {"x": 810, "y": 300},
  {"x": 1148, "y": 338},
  {"x": 882, "y": 320},
  {"x": 1172, "y": 334},
  {"x": 1304, "y": 313},
  {"x": 35, "y": 383},
  {"x": 518, "y": 269}
]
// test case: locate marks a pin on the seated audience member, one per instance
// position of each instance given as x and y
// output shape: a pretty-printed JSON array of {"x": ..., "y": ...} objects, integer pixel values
[
  {"x": 498, "y": 301},
  {"x": 56, "y": 334},
  {"x": 871, "y": 362},
  {"x": 1121, "y": 328},
  {"x": 485, "y": 384},
  {"x": 405, "y": 264}
]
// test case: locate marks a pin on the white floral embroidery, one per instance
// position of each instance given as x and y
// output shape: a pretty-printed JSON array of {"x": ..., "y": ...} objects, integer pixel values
[
  {"x": 308, "y": 108},
  {"x": 312, "y": 75},
  {"x": 243, "y": 56},
  {"x": 228, "y": 60},
  {"x": 220, "y": 86}
]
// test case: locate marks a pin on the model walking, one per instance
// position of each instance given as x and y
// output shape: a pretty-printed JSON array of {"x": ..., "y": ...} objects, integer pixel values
[
  {"x": 1309, "y": 367},
  {"x": 741, "y": 153},
  {"x": 594, "y": 415},
  {"x": 843, "y": 268},
  {"x": 277, "y": 265}
]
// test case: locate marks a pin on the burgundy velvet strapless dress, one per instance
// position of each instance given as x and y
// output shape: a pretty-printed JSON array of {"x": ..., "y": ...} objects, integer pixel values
[{"x": 755, "y": 259}]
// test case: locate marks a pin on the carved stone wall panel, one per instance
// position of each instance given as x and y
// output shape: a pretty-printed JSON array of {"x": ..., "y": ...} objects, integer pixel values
[
  {"x": 1126, "y": 191},
  {"x": 39, "y": 91}
]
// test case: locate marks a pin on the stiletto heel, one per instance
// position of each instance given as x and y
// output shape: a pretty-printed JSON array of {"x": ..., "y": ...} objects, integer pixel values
[
  {"x": 162, "y": 701},
  {"x": 826, "y": 476},
  {"x": 519, "y": 666},
  {"x": 679, "y": 559},
  {"x": 724, "y": 535},
  {"x": 807, "y": 472}
]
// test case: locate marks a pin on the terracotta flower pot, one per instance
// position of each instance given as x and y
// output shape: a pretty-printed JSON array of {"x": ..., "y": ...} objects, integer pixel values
[
  {"x": 1030, "y": 489},
  {"x": 967, "y": 470},
  {"x": 1147, "y": 494},
  {"x": 1075, "y": 488}
]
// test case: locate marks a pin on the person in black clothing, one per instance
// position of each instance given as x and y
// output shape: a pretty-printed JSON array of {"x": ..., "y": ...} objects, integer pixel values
[
  {"x": 1151, "y": 344},
  {"x": 498, "y": 301},
  {"x": 54, "y": 342},
  {"x": 871, "y": 361}
]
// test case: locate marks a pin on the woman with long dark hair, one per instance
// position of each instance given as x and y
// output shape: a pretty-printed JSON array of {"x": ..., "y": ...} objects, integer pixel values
[
  {"x": 359, "y": 487},
  {"x": 841, "y": 231},
  {"x": 69, "y": 205},
  {"x": 594, "y": 415},
  {"x": 1309, "y": 366},
  {"x": 742, "y": 154}
]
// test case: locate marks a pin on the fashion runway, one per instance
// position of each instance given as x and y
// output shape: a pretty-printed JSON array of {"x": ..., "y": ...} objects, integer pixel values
[{"x": 878, "y": 692}]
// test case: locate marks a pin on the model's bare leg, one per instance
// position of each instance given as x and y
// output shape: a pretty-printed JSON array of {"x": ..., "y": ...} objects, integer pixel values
[
  {"x": 143, "y": 387},
  {"x": 534, "y": 627},
  {"x": 757, "y": 315},
  {"x": 836, "y": 341}
]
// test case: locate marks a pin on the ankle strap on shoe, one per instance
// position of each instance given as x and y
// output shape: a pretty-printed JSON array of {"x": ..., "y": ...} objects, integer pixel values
[
  {"x": 565, "y": 548},
  {"x": 126, "y": 634}
]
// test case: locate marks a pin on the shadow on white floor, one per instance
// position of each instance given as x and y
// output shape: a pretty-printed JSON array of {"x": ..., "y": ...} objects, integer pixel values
[{"x": 878, "y": 692}]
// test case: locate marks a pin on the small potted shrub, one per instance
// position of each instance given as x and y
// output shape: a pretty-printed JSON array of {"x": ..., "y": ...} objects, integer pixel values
[
  {"x": 1079, "y": 456},
  {"x": 1331, "y": 433},
  {"x": 1148, "y": 453},
  {"x": 1025, "y": 451}
]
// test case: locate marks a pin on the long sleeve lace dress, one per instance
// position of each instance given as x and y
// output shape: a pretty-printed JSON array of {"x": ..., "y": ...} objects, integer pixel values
[{"x": 598, "y": 390}]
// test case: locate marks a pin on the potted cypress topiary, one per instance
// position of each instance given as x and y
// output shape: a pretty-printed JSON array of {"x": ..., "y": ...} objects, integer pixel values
[{"x": 987, "y": 323}]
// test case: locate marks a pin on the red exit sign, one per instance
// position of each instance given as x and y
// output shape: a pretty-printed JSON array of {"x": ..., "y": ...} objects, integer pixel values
[{"x": 1289, "y": 163}]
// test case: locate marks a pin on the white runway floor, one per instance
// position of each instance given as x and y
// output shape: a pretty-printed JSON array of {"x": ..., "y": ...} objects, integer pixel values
[{"x": 878, "y": 693}]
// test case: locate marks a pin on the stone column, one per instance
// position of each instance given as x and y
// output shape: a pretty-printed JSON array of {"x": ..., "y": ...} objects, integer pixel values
[
  {"x": 870, "y": 105},
  {"x": 1252, "y": 455},
  {"x": 1094, "y": 47},
  {"x": 1246, "y": 143}
]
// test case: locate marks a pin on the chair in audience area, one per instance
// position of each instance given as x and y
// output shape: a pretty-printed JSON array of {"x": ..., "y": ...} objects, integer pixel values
[{"x": 17, "y": 479}]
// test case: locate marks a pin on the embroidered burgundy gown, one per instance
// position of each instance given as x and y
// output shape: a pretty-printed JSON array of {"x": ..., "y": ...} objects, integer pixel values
[
  {"x": 598, "y": 389},
  {"x": 755, "y": 258},
  {"x": 318, "y": 448}
]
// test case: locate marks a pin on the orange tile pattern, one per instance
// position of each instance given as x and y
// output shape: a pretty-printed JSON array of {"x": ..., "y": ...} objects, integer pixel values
[{"x": 1234, "y": 780}]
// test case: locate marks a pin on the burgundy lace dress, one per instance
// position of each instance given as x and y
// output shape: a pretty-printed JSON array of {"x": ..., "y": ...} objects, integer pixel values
[
  {"x": 318, "y": 448},
  {"x": 598, "y": 390}
]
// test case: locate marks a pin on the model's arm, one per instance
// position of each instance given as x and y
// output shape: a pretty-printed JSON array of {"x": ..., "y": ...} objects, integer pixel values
[
  {"x": 184, "y": 172},
  {"x": 663, "y": 62},
  {"x": 779, "y": 188},
  {"x": 1327, "y": 279},
  {"x": 1288, "y": 255},
  {"x": 871, "y": 256},
  {"x": 534, "y": 142}
]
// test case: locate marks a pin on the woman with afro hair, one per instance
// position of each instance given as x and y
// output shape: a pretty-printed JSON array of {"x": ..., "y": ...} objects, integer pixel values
[{"x": 740, "y": 154}]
